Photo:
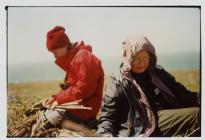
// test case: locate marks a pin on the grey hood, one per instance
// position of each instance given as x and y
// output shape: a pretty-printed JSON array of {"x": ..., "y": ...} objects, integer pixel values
[{"x": 134, "y": 44}]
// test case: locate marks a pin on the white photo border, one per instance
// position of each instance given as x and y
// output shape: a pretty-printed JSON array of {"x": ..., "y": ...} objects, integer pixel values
[{"x": 3, "y": 45}]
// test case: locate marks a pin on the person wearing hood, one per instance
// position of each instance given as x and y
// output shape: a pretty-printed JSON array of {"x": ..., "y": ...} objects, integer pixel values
[
  {"x": 84, "y": 79},
  {"x": 143, "y": 99}
]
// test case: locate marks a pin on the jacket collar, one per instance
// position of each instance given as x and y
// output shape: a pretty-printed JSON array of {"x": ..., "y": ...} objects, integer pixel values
[
  {"x": 64, "y": 61},
  {"x": 156, "y": 81}
]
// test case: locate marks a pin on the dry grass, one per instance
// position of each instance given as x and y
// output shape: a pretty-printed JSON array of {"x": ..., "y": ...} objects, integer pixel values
[
  {"x": 23, "y": 95},
  {"x": 34, "y": 124},
  {"x": 190, "y": 79}
]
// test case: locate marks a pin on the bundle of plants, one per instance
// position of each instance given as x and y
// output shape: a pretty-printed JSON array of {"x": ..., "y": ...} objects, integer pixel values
[{"x": 34, "y": 122}]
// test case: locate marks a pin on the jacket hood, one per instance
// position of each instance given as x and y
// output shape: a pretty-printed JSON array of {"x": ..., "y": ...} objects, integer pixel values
[
  {"x": 65, "y": 61},
  {"x": 134, "y": 44}
]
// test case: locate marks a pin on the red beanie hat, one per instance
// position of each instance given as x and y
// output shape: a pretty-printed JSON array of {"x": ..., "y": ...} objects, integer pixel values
[{"x": 56, "y": 38}]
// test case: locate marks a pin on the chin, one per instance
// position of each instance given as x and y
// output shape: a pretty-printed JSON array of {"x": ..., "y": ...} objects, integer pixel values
[{"x": 139, "y": 71}]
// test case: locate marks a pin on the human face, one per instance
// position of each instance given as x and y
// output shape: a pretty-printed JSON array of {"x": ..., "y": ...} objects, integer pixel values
[
  {"x": 140, "y": 62},
  {"x": 59, "y": 52}
]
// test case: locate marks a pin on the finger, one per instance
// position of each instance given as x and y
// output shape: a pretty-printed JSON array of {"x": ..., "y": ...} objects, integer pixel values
[
  {"x": 47, "y": 105},
  {"x": 53, "y": 106},
  {"x": 50, "y": 101},
  {"x": 44, "y": 102}
]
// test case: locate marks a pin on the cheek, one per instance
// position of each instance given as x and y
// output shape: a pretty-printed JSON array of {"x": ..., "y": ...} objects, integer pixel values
[
  {"x": 60, "y": 54},
  {"x": 135, "y": 66},
  {"x": 145, "y": 64},
  {"x": 63, "y": 52},
  {"x": 139, "y": 67}
]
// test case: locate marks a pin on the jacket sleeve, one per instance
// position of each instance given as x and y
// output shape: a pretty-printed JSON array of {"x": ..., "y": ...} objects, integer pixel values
[
  {"x": 185, "y": 96},
  {"x": 109, "y": 111},
  {"x": 87, "y": 75}
]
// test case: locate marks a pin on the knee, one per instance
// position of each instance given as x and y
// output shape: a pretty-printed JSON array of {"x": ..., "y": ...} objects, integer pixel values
[{"x": 53, "y": 117}]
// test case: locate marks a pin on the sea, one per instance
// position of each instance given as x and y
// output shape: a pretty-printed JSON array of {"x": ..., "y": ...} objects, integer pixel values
[{"x": 47, "y": 71}]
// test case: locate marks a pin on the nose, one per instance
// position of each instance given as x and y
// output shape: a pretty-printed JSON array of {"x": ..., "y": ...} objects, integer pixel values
[
  {"x": 55, "y": 55},
  {"x": 140, "y": 62}
]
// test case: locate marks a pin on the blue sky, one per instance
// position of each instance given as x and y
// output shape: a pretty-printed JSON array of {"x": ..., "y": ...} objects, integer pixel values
[{"x": 171, "y": 30}]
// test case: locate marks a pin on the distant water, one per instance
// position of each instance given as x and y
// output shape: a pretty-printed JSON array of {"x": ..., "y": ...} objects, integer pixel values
[
  {"x": 180, "y": 61},
  {"x": 34, "y": 72},
  {"x": 49, "y": 71}
]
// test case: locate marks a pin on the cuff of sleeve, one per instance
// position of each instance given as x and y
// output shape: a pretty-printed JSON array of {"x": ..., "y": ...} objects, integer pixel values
[{"x": 56, "y": 98}]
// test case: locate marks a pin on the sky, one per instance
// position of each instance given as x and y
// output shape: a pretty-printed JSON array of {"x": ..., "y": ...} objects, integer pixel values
[{"x": 170, "y": 29}]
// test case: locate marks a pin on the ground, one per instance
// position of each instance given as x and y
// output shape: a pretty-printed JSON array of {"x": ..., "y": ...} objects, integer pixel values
[{"x": 23, "y": 95}]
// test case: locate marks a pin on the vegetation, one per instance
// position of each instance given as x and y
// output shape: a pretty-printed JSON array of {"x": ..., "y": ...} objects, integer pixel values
[{"x": 23, "y": 95}]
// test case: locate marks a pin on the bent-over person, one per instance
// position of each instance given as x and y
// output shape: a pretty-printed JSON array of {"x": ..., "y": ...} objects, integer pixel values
[{"x": 84, "y": 79}]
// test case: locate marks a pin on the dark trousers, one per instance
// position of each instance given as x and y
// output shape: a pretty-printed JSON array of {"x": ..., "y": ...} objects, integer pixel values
[
  {"x": 179, "y": 122},
  {"x": 90, "y": 123}
]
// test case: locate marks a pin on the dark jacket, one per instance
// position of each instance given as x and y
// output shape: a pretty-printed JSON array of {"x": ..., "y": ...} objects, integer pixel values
[{"x": 123, "y": 111}]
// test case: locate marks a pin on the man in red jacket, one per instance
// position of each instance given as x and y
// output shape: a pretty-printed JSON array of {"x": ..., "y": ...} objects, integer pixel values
[{"x": 84, "y": 76}]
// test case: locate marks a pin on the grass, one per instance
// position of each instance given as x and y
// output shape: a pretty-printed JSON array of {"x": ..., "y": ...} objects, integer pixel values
[
  {"x": 23, "y": 95},
  {"x": 190, "y": 79}
]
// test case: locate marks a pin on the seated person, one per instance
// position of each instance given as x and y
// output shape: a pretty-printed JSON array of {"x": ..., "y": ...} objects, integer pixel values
[{"x": 143, "y": 99}]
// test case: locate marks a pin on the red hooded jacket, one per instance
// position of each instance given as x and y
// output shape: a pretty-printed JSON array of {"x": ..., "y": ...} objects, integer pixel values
[{"x": 85, "y": 77}]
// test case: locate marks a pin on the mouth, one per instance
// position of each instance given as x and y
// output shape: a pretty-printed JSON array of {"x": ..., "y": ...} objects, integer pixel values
[{"x": 140, "y": 68}]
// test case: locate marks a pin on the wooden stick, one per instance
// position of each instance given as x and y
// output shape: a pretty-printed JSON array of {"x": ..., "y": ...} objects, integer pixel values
[
  {"x": 25, "y": 121},
  {"x": 193, "y": 132},
  {"x": 22, "y": 128},
  {"x": 72, "y": 103},
  {"x": 20, "y": 132},
  {"x": 60, "y": 109},
  {"x": 74, "y": 107}
]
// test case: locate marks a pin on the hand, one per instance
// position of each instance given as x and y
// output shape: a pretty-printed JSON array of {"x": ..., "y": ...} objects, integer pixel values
[
  {"x": 54, "y": 104},
  {"x": 48, "y": 102}
]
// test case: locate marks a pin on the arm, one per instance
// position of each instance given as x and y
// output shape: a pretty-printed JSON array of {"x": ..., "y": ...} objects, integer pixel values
[
  {"x": 86, "y": 73},
  {"x": 109, "y": 111},
  {"x": 185, "y": 96}
]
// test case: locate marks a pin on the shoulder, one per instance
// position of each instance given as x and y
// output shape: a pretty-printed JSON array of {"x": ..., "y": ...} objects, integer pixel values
[
  {"x": 115, "y": 85},
  {"x": 83, "y": 53},
  {"x": 159, "y": 67},
  {"x": 82, "y": 57},
  {"x": 162, "y": 73}
]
